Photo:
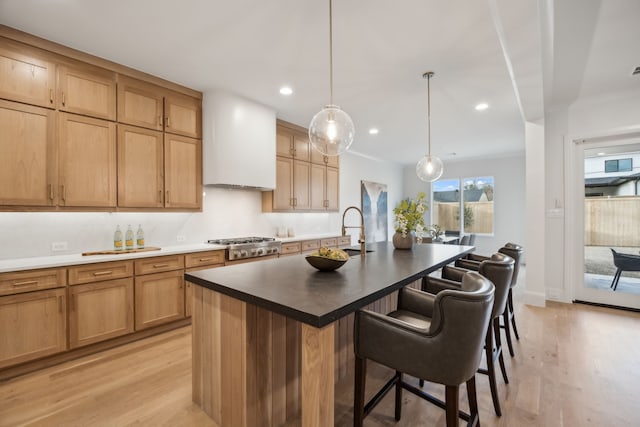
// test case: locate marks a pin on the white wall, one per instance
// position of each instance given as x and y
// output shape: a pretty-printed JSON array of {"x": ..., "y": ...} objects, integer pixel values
[
  {"x": 226, "y": 213},
  {"x": 509, "y": 208}
]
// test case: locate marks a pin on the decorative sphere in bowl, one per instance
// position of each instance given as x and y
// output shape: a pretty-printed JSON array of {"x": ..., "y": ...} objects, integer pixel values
[{"x": 326, "y": 259}]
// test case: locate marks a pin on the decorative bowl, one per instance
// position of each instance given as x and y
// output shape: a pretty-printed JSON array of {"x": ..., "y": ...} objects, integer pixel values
[{"x": 324, "y": 263}]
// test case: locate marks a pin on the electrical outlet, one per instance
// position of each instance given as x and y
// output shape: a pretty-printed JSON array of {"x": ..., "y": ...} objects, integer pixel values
[
  {"x": 181, "y": 238},
  {"x": 59, "y": 246}
]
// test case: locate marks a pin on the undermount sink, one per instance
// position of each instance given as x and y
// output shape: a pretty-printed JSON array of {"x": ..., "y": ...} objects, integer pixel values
[{"x": 353, "y": 252}]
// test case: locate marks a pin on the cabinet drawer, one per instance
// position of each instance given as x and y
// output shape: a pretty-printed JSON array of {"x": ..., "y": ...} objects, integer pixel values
[
  {"x": 201, "y": 259},
  {"x": 290, "y": 248},
  {"x": 329, "y": 243},
  {"x": 32, "y": 280},
  {"x": 159, "y": 264},
  {"x": 344, "y": 241},
  {"x": 99, "y": 272},
  {"x": 310, "y": 245}
]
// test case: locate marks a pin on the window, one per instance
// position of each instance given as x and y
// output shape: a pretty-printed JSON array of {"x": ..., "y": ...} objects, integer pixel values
[
  {"x": 471, "y": 213},
  {"x": 620, "y": 165}
]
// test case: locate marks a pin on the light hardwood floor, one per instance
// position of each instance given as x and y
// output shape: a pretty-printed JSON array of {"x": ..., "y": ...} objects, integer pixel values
[{"x": 575, "y": 365}]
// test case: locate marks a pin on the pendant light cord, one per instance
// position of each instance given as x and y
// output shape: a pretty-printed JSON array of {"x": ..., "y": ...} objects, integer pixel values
[
  {"x": 428, "y": 76},
  {"x": 331, "y": 52}
]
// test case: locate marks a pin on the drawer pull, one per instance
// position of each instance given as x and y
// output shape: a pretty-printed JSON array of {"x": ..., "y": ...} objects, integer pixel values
[
  {"x": 27, "y": 283},
  {"x": 102, "y": 273},
  {"x": 60, "y": 304},
  {"x": 160, "y": 265},
  {"x": 206, "y": 259}
]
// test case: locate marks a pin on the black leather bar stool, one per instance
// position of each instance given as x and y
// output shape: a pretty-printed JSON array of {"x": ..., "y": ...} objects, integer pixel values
[
  {"x": 515, "y": 251},
  {"x": 499, "y": 270},
  {"x": 436, "y": 338}
]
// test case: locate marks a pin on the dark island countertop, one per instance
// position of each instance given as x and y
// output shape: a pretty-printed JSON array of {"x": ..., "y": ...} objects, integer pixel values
[{"x": 293, "y": 288}]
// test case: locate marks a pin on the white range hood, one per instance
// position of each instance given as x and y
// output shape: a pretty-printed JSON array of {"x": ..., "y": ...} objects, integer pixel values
[{"x": 239, "y": 143}]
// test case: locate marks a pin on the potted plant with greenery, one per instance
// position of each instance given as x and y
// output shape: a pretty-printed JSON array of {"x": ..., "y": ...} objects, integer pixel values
[{"x": 409, "y": 218}]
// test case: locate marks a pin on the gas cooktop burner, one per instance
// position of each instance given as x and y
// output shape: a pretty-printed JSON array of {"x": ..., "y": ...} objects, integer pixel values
[
  {"x": 248, "y": 247},
  {"x": 241, "y": 240}
]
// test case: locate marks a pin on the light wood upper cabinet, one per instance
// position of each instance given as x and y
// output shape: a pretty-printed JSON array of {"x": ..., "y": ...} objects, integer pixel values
[
  {"x": 28, "y": 173},
  {"x": 301, "y": 182},
  {"x": 332, "y": 189},
  {"x": 87, "y": 161},
  {"x": 140, "y": 167},
  {"x": 183, "y": 115},
  {"x": 25, "y": 76},
  {"x": 318, "y": 186},
  {"x": 32, "y": 325},
  {"x": 99, "y": 311},
  {"x": 182, "y": 172},
  {"x": 87, "y": 90},
  {"x": 281, "y": 199},
  {"x": 140, "y": 103},
  {"x": 292, "y": 142}
]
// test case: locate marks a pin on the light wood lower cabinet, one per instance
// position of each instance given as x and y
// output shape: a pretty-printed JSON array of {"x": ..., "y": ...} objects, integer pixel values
[
  {"x": 32, "y": 325},
  {"x": 99, "y": 311},
  {"x": 159, "y": 298}
]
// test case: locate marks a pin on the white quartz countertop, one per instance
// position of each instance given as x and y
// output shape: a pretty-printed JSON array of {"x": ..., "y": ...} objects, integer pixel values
[{"x": 18, "y": 264}]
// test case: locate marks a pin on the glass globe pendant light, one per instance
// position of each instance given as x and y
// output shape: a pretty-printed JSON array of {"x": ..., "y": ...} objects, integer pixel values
[
  {"x": 331, "y": 130},
  {"x": 429, "y": 168}
]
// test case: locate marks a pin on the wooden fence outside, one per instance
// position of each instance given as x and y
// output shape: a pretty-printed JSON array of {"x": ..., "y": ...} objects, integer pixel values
[
  {"x": 446, "y": 216},
  {"x": 612, "y": 221}
]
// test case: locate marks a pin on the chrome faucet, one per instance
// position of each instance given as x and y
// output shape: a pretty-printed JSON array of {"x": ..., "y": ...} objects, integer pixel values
[{"x": 361, "y": 240}]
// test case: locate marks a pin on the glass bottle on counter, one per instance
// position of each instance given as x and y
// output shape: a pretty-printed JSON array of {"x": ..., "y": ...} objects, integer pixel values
[
  {"x": 117, "y": 239},
  {"x": 128, "y": 238},
  {"x": 140, "y": 237}
]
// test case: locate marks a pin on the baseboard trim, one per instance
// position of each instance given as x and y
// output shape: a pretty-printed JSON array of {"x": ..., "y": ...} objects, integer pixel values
[
  {"x": 615, "y": 307},
  {"x": 534, "y": 298}
]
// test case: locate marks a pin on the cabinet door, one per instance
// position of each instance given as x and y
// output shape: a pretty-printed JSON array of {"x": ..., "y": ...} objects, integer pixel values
[
  {"x": 140, "y": 167},
  {"x": 87, "y": 161},
  {"x": 317, "y": 157},
  {"x": 24, "y": 77},
  {"x": 139, "y": 103},
  {"x": 318, "y": 181},
  {"x": 283, "y": 194},
  {"x": 183, "y": 115},
  {"x": 332, "y": 190},
  {"x": 27, "y": 155},
  {"x": 284, "y": 142},
  {"x": 301, "y": 185},
  {"x": 332, "y": 161},
  {"x": 99, "y": 311},
  {"x": 159, "y": 298},
  {"x": 301, "y": 147},
  {"x": 32, "y": 325},
  {"x": 88, "y": 91},
  {"x": 182, "y": 172}
]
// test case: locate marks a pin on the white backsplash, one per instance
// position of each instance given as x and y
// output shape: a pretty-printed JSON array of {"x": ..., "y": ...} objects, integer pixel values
[{"x": 226, "y": 213}]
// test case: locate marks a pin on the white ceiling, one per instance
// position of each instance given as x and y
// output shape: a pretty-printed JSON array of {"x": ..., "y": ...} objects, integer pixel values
[{"x": 520, "y": 56}]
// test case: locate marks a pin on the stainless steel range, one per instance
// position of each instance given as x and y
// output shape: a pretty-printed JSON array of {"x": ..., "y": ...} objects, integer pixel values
[{"x": 248, "y": 247}]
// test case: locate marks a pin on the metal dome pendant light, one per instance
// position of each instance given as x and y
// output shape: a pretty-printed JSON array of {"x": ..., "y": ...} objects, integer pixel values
[
  {"x": 429, "y": 168},
  {"x": 331, "y": 130}
]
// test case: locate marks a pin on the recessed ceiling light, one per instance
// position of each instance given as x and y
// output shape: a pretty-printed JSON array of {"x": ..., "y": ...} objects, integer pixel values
[
  {"x": 286, "y": 90},
  {"x": 373, "y": 131},
  {"x": 601, "y": 154},
  {"x": 482, "y": 106}
]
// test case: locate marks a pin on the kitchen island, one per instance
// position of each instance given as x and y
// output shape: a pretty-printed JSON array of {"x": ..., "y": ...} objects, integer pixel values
[{"x": 263, "y": 333}]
